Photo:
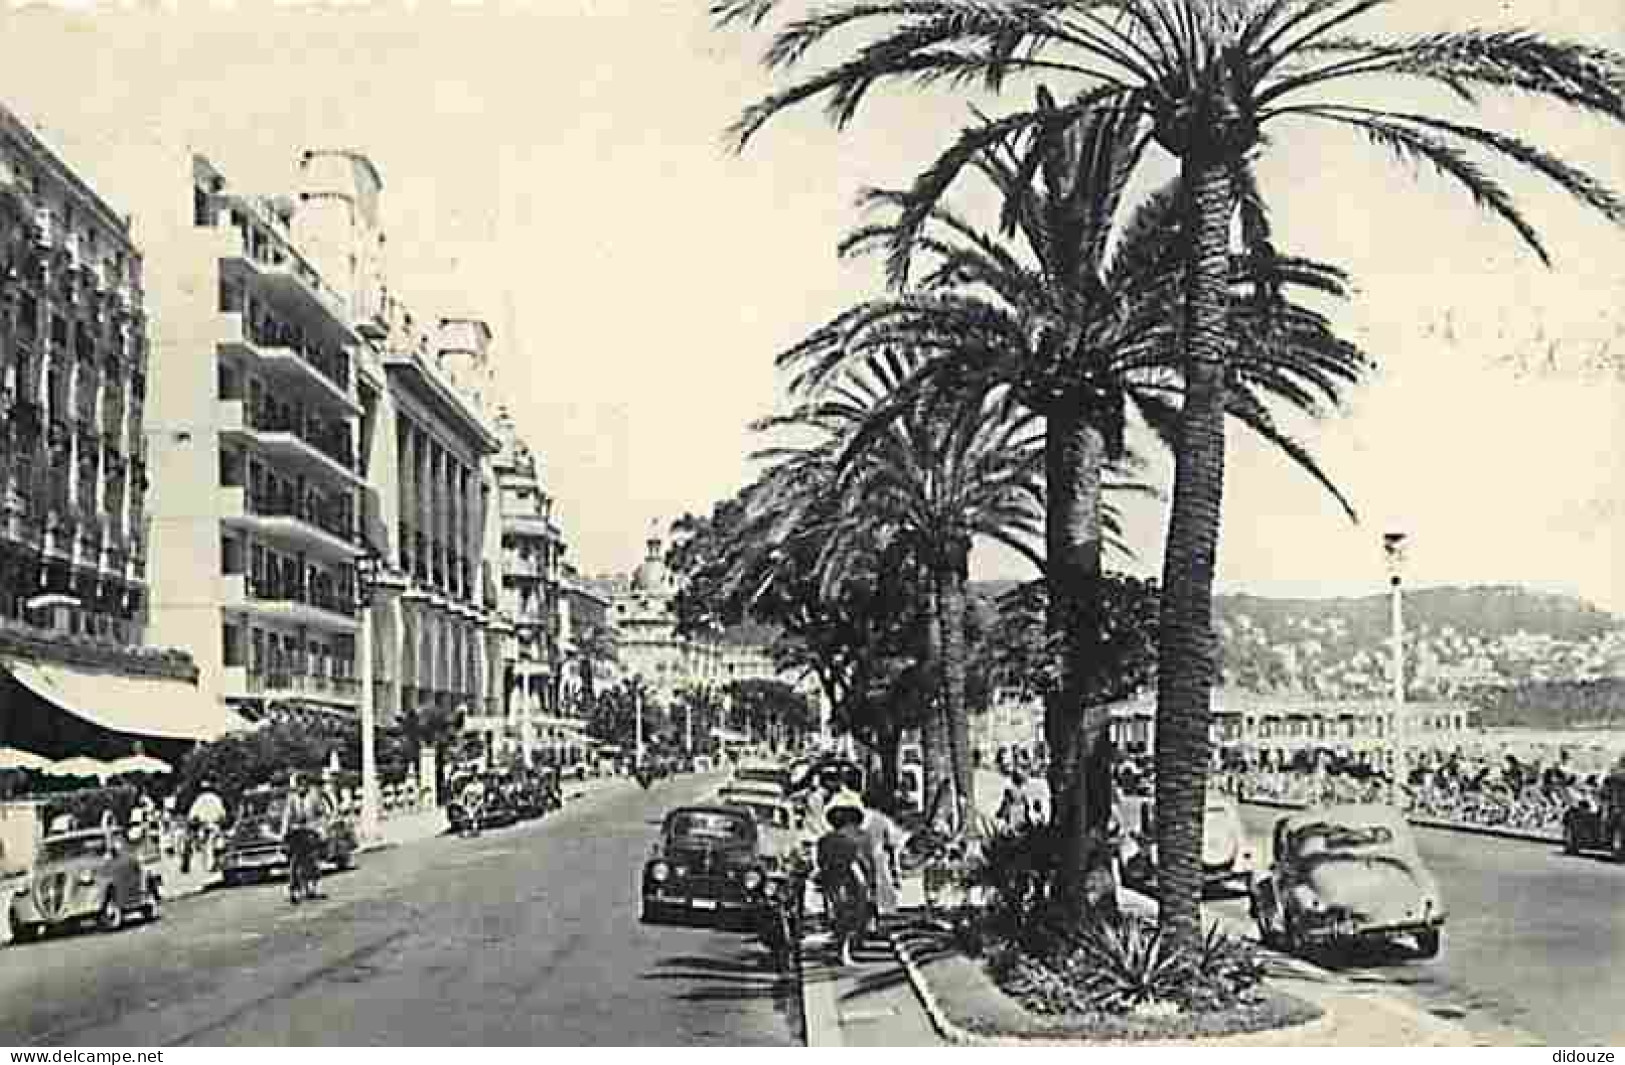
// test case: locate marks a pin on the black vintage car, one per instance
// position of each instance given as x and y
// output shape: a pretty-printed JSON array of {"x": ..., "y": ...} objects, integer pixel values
[
  {"x": 255, "y": 848},
  {"x": 707, "y": 868},
  {"x": 498, "y": 809},
  {"x": 1598, "y": 823}
]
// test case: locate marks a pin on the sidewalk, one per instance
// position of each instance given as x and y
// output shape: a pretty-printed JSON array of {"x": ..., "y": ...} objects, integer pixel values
[
  {"x": 911, "y": 993},
  {"x": 869, "y": 1004},
  {"x": 398, "y": 831}
]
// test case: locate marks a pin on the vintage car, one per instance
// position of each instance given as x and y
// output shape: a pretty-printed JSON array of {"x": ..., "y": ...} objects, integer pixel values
[
  {"x": 255, "y": 848},
  {"x": 500, "y": 806},
  {"x": 1346, "y": 875},
  {"x": 708, "y": 867},
  {"x": 778, "y": 825},
  {"x": 1598, "y": 823},
  {"x": 83, "y": 877},
  {"x": 1228, "y": 858},
  {"x": 746, "y": 790},
  {"x": 761, "y": 771}
]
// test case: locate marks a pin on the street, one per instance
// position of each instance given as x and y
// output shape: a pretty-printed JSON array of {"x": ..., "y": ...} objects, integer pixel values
[
  {"x": 1532, "y": 941},
  {"x": 526, "y": 935}
]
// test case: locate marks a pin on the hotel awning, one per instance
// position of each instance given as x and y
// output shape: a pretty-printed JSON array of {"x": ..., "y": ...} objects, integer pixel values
[{"x": 133, "y": 706}]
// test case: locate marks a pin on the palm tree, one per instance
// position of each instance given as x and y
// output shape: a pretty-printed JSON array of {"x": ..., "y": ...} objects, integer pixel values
[
  {"x": 1080, "y": 337},
  {"x": 1203, "y": 80},
  {"x": 595, "y": 650},
  {"x": 930, "y": 480}
]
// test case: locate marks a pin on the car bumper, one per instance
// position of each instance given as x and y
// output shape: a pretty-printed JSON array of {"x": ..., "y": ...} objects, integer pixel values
[{"x": 1351, "y": 930}]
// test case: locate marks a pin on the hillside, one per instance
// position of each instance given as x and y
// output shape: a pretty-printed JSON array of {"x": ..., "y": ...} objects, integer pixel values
[{"x": 1524, "y": 657}]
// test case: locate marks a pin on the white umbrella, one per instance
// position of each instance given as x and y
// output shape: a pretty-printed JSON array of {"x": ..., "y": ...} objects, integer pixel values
[
  {"x": 139, "y": 763},
  {"x": 79, "y": 767},
  {"x": 12, "y": 758}
]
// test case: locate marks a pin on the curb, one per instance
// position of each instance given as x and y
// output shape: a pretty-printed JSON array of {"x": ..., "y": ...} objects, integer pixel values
[
  {"x": 1428, "y": 822},
  {"x": 933, "y": 1009}
]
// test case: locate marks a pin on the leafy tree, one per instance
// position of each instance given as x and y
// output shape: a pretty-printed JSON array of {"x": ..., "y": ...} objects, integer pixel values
[
  {"x": 1203, "y": 80},
  {"x": 771, "y": 709},
  {"x": 242, "y": 760}
]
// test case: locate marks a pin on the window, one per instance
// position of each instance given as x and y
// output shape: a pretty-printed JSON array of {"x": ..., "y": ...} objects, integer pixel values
[
  {"x": 231, "y": 556},
  {"x": 231, "y": 642}
]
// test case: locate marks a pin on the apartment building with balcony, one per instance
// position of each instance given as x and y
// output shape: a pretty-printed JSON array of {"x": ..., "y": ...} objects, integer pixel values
[
  {"x": 76, "y": 674},
  {"x": 533, "y": 551},
  {"x": 261, "y": 382}
]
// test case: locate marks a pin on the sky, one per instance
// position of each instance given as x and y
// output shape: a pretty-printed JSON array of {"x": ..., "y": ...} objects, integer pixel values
[{"x": 559, "y": 169}]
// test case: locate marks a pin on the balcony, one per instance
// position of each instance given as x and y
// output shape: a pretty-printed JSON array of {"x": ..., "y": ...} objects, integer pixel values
[
  {"x": 285, "y": 356},
  {"x": 242, "y": 682},
  {"x": 256, "y": 254},
  {"x": 291, "y": 601},
  {"x": 284, "y": 438},
  {"x": 321, "y": 531},
  {"x": 533, "y": 526}
]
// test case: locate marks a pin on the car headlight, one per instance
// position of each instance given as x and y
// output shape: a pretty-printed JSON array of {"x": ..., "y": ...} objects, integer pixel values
[
  {"x": 772, "y": 889},
  {"x": 86, "y": 877},
  {"x": 659, "y": 871},
  {"x": 753, "y": 880}
]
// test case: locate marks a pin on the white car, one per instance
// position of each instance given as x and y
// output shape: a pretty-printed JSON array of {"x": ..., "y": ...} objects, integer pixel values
[{"x": 1229, "y": 857}]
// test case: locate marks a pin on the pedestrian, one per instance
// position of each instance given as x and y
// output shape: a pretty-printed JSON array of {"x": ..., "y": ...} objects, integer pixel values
[
  {"x": 886, "y": 840},
  {"x": 846, "y": 873},
  {"x": 206, "y": 819},
  {"x": 1014, "y": 812},
  {"x": 302, "y": 815}
]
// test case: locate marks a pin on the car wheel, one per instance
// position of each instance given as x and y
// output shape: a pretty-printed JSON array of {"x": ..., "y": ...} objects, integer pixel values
[
  {"x": 22, "y": 931},
  {"x": 1428, "y": 942},
  {"x": 111, "y": 916}
]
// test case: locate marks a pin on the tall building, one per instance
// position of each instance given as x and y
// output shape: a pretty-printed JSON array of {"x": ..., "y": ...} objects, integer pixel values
[
  {"x": 74, "y": 394},
  {"x": 73, "y": 388},
  {"x": 647, "y": 640},
  {"x": 532, "y": 568},
  {"x": 260, "y": 385},
  {"x": 309, "y": 432}
]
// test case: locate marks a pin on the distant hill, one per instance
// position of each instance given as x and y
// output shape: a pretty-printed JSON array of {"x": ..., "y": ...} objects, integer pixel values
[{"x": 1523, "y": 657}]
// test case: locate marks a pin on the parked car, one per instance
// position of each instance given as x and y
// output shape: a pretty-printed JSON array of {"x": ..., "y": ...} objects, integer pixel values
[
  {"x": 1344, "y": 875},
  {"x": 1598, "y": 823},
  {"x": 763, "y": 771},
  {"x": 500, "y": 807},
  {"x": 1228, "y": 857},
  {"x": 94, "y": 876},
  {"x": 255, "y": 848},
  {"x": 707, "y": 867}
]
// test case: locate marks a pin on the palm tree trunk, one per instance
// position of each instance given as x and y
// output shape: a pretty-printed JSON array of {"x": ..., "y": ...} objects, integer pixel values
[
  {"x": 1186, "y": 645},
  {"x": 1079, "y": 735},
  {"x": 951, "y": 599},
  {"x": 933, "y": 728}
]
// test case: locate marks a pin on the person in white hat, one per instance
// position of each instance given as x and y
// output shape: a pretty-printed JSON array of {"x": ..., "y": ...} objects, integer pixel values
[{"x": 846, "y": 872}]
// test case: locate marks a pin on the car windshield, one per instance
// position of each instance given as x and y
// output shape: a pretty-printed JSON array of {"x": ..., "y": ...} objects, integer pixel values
[
  {"x": 1321, "y": 837},
  {"x": 62, "y": 850},
  {"x": 709, "y": 825},
  {"x": 265, "y": 804}
]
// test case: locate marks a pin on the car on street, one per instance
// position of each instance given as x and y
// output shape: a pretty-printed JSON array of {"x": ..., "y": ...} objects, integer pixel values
[
  {"x": 707, "y": 866},
  {"x": 1344, "y": 876},
  {"x": 1597, "y": 822},
  {"x": 499, "y": 810},
  {"x": 1228, "y": 857},
  {"x": 256, "y": 850},
  {"x": 762, "y": 771},
  {"x": 90, "y": 877}
]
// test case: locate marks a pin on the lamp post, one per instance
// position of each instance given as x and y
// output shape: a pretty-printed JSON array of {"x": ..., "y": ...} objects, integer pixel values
[
  {"x": 1393, "y": 545},
  {"x": 637, "y": 724},
  {"x": 371, "y": 578}
]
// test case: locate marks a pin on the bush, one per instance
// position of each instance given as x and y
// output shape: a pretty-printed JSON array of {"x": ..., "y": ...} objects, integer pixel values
[
  {"x": 240, "y": 761},
  {"x": 1109, "y": 963}
]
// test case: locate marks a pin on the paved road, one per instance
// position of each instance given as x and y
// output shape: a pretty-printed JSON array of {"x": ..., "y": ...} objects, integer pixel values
[
  {"x": 528, "y": 935},
  {"x": 1536, "y": 940}
]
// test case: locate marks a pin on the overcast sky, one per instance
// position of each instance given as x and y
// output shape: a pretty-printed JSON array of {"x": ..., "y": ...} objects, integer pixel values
[{"x": 558, "y": 170}]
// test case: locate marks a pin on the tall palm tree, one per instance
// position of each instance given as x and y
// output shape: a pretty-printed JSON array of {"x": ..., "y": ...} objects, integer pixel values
[
  {"x": 929, "y": 481},
  {"x": 1080, "y": 337},
  {"x": 1203, "y": 80}
]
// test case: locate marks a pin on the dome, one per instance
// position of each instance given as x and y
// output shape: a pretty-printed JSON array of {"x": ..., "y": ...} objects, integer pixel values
[{"x": 651, "y": 574}]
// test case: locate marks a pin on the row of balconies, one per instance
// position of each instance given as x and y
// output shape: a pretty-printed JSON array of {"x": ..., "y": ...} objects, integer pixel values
[
  {"x": 333, "y": 364},
  {"x": 274, "y": 683},
  {"x": 331, "y": 439},
  {"x": 436, "y": 564}
]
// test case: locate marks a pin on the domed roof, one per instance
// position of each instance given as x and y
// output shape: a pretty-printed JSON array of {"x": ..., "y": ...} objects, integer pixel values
[{"x": 651, "y": 575}]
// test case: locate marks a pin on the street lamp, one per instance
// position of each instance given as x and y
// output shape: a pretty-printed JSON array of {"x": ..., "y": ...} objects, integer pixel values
[
  {"x": 637, "y": 724},
  {"x": 1393, "y": 546}
]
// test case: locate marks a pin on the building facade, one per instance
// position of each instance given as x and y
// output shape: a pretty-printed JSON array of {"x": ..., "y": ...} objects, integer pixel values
[
  {"x": 646, "y": 637},
  {"x": 532, "y": 568},
  {"x": 73, "y": 392}
]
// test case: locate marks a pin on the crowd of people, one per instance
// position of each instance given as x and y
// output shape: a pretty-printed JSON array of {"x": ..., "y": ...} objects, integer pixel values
[{"x": 1530, "y": 795}]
